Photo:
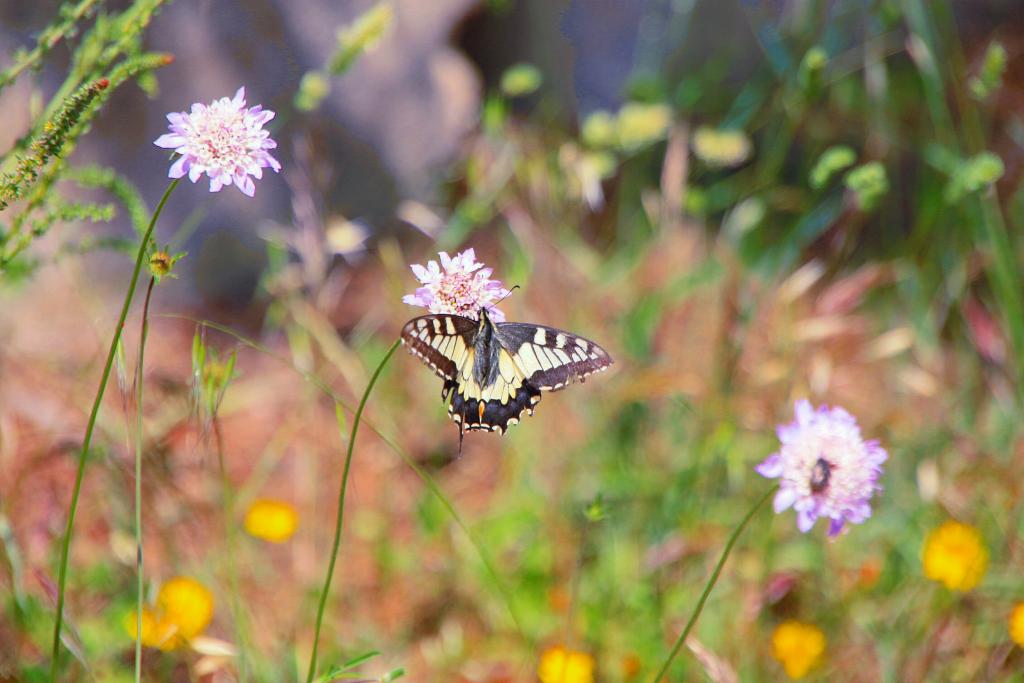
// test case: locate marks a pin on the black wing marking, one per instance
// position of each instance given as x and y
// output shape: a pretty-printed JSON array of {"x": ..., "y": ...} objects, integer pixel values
[
  {"x": 471, "y": 412},
  {"x": 551, "y": 358},
  {"x": 443, "y": 342}
]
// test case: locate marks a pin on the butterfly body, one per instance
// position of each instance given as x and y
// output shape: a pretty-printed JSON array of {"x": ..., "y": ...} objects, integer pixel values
[{"x": 494, "y": 372}]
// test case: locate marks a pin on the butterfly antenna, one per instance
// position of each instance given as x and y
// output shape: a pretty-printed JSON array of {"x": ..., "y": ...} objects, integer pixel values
[{"x": 507, "y": 294}]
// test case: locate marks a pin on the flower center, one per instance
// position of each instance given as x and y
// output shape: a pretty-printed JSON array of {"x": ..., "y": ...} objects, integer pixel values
[
  {"x": 820, "y": 475},
  {"x": 220, "y": 140},
  {"x": 457, "y": 291}
]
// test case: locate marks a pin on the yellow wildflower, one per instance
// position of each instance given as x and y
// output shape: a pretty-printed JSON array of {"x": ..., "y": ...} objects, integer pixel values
[
  {"x": 154, "y": 633},
  {"x": 1017, "y": 624},
  {"x": 955, "y": 554},
  {"x": 559, "y": 665},
  {"x": 183, "y": 610},
  {"x": 271, "y": 520},
  {"x": 798, "y": 647},
  {"x": 187, "y": 603}
]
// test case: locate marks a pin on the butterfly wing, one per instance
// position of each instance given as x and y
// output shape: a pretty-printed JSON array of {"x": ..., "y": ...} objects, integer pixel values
[
  {"x": 443, "y": 342},
  {"x": 550, "y": 358}
]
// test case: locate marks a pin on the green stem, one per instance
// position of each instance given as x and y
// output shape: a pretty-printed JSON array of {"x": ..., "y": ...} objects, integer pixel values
[
  {"x": 341, "y": 509},
  {"x": 91, "y": 425},
  {"x": 228, "y": 502},
  {"x": 138, "y": 482},
  {"x": 711, "y": 583}
]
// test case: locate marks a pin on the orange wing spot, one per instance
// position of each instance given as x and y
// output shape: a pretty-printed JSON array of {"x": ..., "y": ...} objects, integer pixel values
[{"x": 482, "y": 407}]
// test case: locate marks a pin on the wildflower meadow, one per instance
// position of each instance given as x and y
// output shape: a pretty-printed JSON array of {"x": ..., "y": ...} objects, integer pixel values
[{"x": 511, "y": 341}]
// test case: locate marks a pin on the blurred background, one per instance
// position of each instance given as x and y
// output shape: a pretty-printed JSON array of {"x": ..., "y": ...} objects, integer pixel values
[{"x": 745, "y": 202}]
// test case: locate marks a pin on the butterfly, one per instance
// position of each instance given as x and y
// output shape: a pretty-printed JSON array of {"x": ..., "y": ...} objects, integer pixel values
[{"x": 494, "y": 372}]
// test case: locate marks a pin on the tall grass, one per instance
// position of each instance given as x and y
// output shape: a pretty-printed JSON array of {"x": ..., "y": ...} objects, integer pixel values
[{"x": 91, "y": 425}]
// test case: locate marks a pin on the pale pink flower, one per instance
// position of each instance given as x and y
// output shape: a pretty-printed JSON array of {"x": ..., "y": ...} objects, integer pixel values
[
  {"x": 224, "y": 140},
  {"x": 459, "y": 286},
  {"x": 825, "y": 468}
]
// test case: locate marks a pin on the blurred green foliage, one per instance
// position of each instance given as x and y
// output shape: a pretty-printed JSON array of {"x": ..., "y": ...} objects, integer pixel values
[
  {"x": 835, "y": 88},
  {"x": 108, "y": 53},
  {"x": 361, "y": 36},
  {"x": 520, "y": 80}
]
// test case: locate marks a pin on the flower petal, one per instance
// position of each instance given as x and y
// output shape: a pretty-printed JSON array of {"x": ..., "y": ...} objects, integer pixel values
[
  {"x": 788, "y": 432},
  {"x": 771, "y": 467},
  {"x": 495, "y": 314},
  {"x": 422, "y": 297},
  {"x": 784, "y": 499},
  {"x": 834, "y": 527},
  {"x": 169, "y": 141},
  {"x": 421, "y": 273},
  {"x": 246, "y": 185},
  {"x": 804, "y": 412},
  {"x": 805, "y": 520},
  {"x": 179, "y": 168}
]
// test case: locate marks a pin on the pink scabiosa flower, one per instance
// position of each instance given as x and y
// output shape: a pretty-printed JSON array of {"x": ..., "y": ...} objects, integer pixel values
[
  {"x": 459, "y": 286},
  {"x": 223, "y": 139},
  {"x": 825, "y": 468}
]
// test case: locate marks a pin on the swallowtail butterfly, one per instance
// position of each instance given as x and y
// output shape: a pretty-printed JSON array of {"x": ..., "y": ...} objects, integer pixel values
[{"x": 493, "y": 372}]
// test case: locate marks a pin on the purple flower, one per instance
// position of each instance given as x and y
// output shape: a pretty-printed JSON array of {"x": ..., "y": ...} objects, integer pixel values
[
  {"x": 825, "y": 468},
  {"x": 459, "y": 286},
  {"x": 222, "y": 139}
]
